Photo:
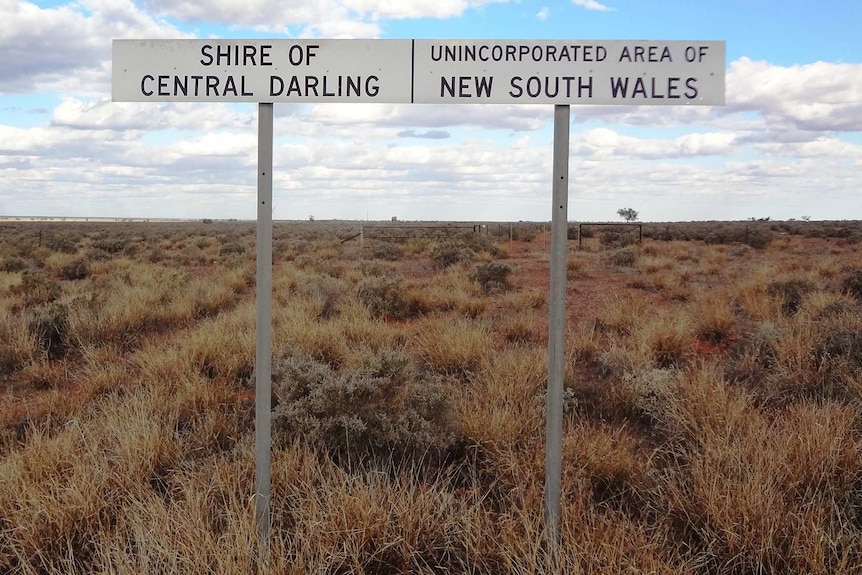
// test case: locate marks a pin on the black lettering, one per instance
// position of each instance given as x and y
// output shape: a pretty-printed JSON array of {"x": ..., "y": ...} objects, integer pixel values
[
  {"x": 619, "y": 87},
  {"x": 451, "y": 54},
  {"x": 197, "y": 80},
  {"x": 601, "y": 53},
  {"x": 265, "y": 55},
  {"x": 311, "y": 85},
  {"x": 207, "y": 59},
  {"x": 144, "y": 90},
  {"x": 538, "y": 53},
  {"x": 625, "y": 55},
  {"x": 588, "y": 87},
  {"x": 293, "y": 88},
  {"x": 294, "y": 55},
  {"x": 163, "y": 86},
  {"x": 654, "y": 94},
  {"x": 230, "y": 86},
  {"x": 691, "y": 84},
  {"x": 222, "y": 55},
  {"x": 446, "y": 86},
  {"x": 249, "y": 53},
  {"x": 327, "y": 94},
  {"x": 212, "y": 84},
  {"x": 372, "y": 88},
  {"x": 516, "y": 85},
  {"x": 436, "y": 53},
  {"x": 483, "y": 86},
  {"x": 242, "y": 87},
  {"x": 639, "y": 87},
  {"x": 672, "y": 87},
  {"x": 354, "y": 87},
  {"x": 181, "y": 85},
  {"x": 665, "y": 55},
  {"x": 273, "y": 82},
  {"x": 464, "y": 87}
]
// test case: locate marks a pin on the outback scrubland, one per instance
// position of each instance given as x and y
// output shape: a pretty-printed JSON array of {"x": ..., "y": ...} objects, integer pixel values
[{"x": 713, "y": 420}]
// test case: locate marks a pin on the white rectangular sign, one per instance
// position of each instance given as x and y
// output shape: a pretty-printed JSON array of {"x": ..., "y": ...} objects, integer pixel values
[
  {"x": 569, "y": 72},
  {"x": 261, "y": 71},
  {"x": 642, "y": 72}
]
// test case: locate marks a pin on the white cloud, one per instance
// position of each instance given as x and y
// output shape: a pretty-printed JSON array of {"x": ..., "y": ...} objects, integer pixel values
[
  {"x": 821, "y": 96},
  {"x": 329, "y": 18},
  {"x": 67, "y": 47},
  {"x": 543, "y": 13},
  {"x": 592, "y": 5},
  {"x": 604, "y": 143},
  {"x": 102, "y": 114}
]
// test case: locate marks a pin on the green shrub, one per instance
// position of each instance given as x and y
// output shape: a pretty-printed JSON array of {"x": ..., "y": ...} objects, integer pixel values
[
  {"x": 449, "y": 253},
  {"x": 111, "y": 245},
  {"x": 758, "y": 238},
  {"x": 50, "y": 327},
  {"x": 625, "y": 257},
  {"x": 482, "y": 243},
  {"x": 492, "y": 276},
  {"x": 232, "y": 248},
  {"x": 617, "y": 238},
  {"x": 844, "y": 345},
  {"x": 37, "y": 287},
  {"x": 76, "y": 269},
  {"x": 382, "y": 408},
  {"x": 852, "y": 284},
  {"x": 13, "y": 264},
  {"x": 791, "y": 293},
  {"x": 387, "y": 251},
  {"x": 386, "y": 297}
]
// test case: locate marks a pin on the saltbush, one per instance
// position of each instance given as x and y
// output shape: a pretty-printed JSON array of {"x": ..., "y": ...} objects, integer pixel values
[
  {"x": 625, "y": 257},
  {"x": 75, "y": 269},
  {"x": 50, "y": 327},
  {"x": 791, "y": 293},
  {"x": 387, "y": 298},
  {"x": 111, "y": 245},
  {"x": 852, "y": 284},
  {"x": 381, "y": 408},
  {"x": 387, "y": 251},
  {"x": 13, "y": 264},
  {"x": 492, "y": 276},
  {"x": 617, "y": 238},
  {"x": 37, "y": 287},
  {"x": 449, "y": 253}
]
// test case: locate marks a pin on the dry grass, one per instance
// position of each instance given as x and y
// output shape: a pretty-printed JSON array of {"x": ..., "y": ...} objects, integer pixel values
[{"x": 712, "y": 416}]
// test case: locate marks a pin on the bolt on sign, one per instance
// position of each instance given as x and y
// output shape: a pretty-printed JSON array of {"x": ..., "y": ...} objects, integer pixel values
[{"x": 421, "y": 71}]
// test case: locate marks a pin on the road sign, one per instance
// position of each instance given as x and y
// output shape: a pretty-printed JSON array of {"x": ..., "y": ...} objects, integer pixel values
[
  {"x": 623, "y": 72},
  {"x": 559, "y": 72}
]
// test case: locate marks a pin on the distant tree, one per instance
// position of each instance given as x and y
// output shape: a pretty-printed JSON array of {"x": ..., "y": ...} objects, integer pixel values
[{"x": 628, "y": 214}]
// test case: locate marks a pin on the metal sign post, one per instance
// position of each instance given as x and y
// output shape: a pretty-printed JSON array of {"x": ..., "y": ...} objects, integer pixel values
[
  {"x": 263, "y": 330},
  {"x": 556, "y": 327}
]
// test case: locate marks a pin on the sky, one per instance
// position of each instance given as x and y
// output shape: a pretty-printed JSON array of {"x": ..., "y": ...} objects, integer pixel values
[{"x": 787, "y": 144}]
